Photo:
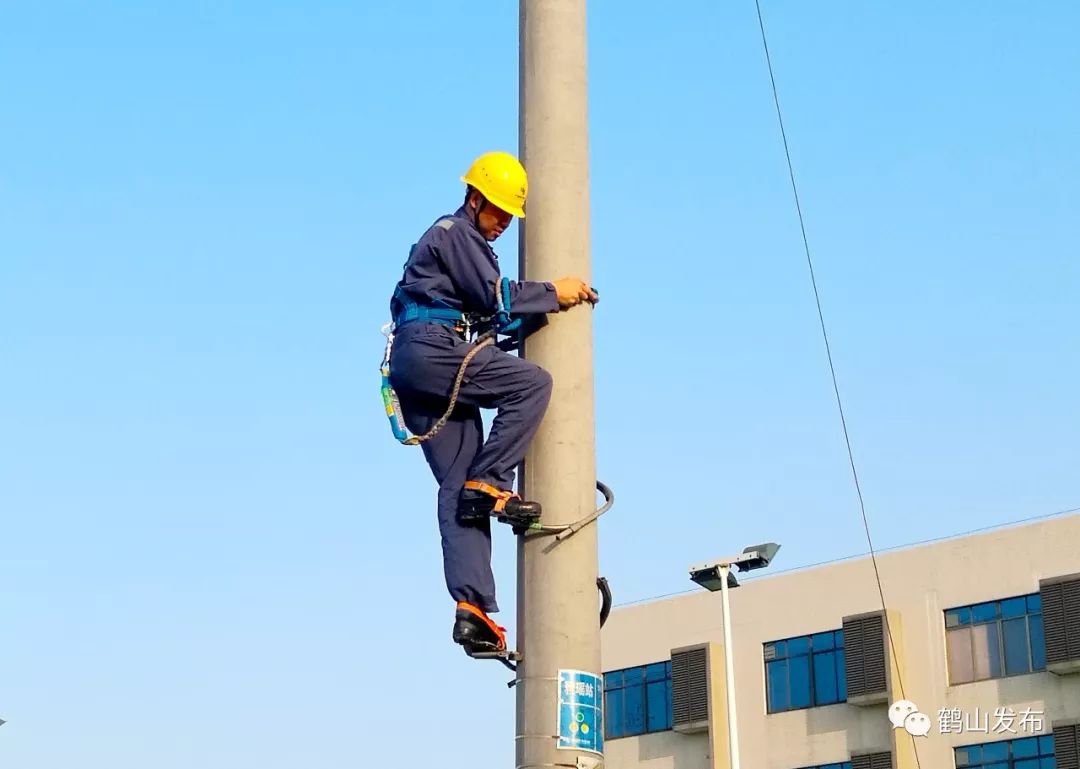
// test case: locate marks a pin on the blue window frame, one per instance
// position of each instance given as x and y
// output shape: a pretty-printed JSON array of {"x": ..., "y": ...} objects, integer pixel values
[
  {"x": 805, "y": 671},
  {"x": 1022, "y": 753},
  {"x": 637, "y": 700},
  {"x": 995, "y": 639},
  {"x": 837, "y": 765}
]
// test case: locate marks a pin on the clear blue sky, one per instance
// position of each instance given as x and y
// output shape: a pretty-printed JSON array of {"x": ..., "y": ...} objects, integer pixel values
[{"x": 212, "y": 552}]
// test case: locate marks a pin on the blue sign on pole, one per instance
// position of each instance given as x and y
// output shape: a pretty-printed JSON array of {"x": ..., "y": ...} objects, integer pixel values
[{"x": 581, "y": 711}]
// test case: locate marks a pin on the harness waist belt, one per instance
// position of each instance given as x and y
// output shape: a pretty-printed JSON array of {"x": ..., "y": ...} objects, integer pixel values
[
  {"x": 450, "y": 318},
  {"x": 414, "y": 312}
]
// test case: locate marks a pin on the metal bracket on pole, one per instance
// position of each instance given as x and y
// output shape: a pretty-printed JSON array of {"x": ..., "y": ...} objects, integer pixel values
[
  {"x": 507, "y": 658},
  {"x": 581, "y": 762}
]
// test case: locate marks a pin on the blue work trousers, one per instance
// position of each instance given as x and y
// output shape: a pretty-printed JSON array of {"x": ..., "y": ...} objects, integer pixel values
[{"x": 423, "y": 364}]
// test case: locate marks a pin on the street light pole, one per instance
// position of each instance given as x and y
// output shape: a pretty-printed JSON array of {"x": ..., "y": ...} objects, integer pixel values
[
  {"x": 729, "y": 671},
  {"x": 717, "y": 575}
]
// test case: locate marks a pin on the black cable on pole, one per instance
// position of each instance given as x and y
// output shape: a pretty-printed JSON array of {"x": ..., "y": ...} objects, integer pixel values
[
  {"x": 832, "y": 367},
  {"x": 605, "y": 599}
]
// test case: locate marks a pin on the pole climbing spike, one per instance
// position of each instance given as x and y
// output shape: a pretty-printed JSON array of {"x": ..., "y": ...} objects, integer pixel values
[
  {"x": 506, "y": 657},
  {"x": 476, "y": 631},
  {"x": 479, "y": 500}
]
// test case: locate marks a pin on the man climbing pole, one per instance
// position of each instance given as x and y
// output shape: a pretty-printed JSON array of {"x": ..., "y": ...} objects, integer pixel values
[{"x": 452, "y": 286}]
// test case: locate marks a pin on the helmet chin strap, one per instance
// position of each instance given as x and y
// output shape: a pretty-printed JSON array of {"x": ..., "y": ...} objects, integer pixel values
[{"x": 476, "y": 214}]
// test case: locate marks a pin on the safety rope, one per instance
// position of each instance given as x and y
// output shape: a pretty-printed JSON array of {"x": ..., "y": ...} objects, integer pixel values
[
  {"x": 832, "y": 367},
  {"x": 485, "y": 339}
]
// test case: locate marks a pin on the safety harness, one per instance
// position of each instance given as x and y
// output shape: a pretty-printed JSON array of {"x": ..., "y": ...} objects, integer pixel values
[{"x": 488, "y": 329}]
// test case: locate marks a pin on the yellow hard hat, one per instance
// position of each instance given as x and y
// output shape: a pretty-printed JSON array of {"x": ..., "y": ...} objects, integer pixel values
[{"x": 501, "y": 179}]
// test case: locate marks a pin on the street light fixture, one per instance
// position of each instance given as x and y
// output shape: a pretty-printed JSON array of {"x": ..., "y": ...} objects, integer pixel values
[{"x": 717, "y": 575}]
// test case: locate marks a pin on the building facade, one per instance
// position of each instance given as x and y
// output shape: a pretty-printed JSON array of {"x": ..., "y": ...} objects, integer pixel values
[{"x": 974, "y": 665}]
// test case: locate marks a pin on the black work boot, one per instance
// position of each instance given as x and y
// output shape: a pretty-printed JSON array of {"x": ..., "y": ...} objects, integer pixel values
[
  {"x": 479, "y": 501},
  {"x": 475, "y": 631}
]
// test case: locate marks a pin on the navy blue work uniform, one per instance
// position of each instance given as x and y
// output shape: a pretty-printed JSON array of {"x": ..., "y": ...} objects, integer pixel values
[{"x": 453, "y": 266}]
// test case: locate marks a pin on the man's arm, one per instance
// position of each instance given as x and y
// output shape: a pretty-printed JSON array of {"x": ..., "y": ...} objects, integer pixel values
[
  {"x": 533, "y": 296},
  {"x": 567, "y": 292},
  {"x": 475, "y": 273}
]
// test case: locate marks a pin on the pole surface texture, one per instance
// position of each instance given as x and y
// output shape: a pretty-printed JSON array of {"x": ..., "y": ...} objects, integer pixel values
[
  {"x": 558, "y": 601},
  {"x": 729, "y": 670}
]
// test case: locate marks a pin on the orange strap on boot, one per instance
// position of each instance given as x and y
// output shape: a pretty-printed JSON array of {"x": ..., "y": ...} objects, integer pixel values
[
  {"x": 501, "y": 497},
  {"x": 478, "y": 612}
]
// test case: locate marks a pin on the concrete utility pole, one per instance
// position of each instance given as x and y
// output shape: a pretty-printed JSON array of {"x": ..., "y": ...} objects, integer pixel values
[{"x": 559, "y": 694}]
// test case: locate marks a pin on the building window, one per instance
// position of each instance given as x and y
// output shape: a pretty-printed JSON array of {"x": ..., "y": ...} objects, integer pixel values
[
  {"x": 1024, "y": 753},
  {"x": 838, "y": 765},
  {"x": 805, "y": 671},
  {"x": 995, "y": 639},
  {"x": 637, "y": 700}
]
